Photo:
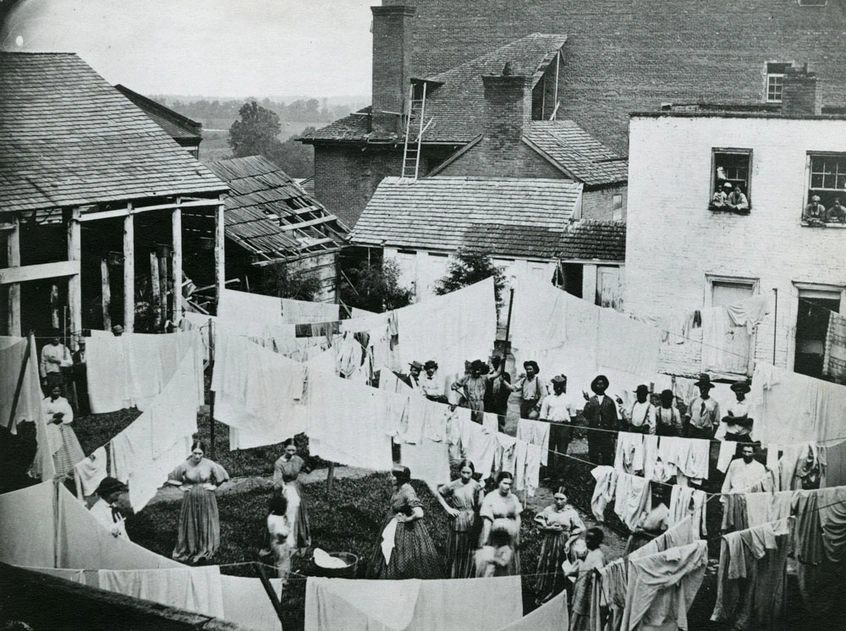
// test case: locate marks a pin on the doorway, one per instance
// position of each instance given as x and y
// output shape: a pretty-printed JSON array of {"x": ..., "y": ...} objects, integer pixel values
[{"x": 815, "y": 308}]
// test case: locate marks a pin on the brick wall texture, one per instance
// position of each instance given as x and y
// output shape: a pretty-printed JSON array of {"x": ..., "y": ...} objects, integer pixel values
[
  {"x": 674, "y": 241},
  {"x": 627, "y": 55}
]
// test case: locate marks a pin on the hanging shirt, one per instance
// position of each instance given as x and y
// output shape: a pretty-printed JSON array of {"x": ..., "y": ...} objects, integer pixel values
[{"x": 704, "y": 413}]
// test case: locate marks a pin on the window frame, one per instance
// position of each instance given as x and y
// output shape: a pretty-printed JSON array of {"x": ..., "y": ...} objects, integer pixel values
[
  {"x": 748, "y": 182},
  {"x": 827, "y": 193},
  {"x": 774, "y": 76},
  {"x": 617, "y": 207}
]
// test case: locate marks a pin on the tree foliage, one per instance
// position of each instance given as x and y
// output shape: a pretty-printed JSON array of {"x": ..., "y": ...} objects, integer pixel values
[
  {"x": 257, "y": 133},
  {"x": 278, "y": 279},
  {"x": 375, "y": 286},
  {"x": 470, "y": 266}
]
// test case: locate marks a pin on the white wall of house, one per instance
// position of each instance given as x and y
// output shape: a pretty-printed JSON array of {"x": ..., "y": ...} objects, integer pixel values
[{"x": 677, "y": 249}]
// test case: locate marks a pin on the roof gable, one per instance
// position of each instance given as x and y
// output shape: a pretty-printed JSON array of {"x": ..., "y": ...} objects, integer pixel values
[
  {"x": 175, "y": 124},
  {"x": 265, "y": 206},
  {"x": 510, "y": 216},
  {"x": 69, "y": 138}
]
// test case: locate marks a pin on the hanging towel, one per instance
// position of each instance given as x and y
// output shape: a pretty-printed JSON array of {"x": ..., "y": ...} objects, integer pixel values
[
  {"x": 28, "y": 527},
  {"x": 195, "y": 589},
  {"x": 478, "y": 445},
  {"x": 74, "y": 576},
  {"x": 246, "y": 603},
  {"x": 12, "y": 353},
  {"x": 687, "y": 502},
  {"x": 550, "y": 616},
  {"x": 629, "y": 458},
  {"x": 632, "y": 499},
  {"x": 727, "y": 451},
  {"x": 388, "y": 539},
  {"x": 604, "y": 491},
  {"x": 427, "y": 461},
  {"x": 536, "y": 433},
  {"x": 749, "y": 312},
  {"x": 90, "y": 472},
  {"x": 762, "y": 508},
  {"x": 834, "y": 358},
  {"x": 304, "y": 312}
]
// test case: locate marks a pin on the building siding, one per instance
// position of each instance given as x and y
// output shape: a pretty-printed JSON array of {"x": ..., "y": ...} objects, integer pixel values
[{"x": 674, "y": 241}]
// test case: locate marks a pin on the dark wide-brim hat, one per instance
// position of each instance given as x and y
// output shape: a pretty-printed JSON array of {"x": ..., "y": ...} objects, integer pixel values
[
  {"x": 430, "y": 364},
  {"x": 478, "y": 364},
  {"x": 533, "y": 364},
  {"x": 642, "y": 388},
  {"x": 111, "y": 485},
  {"x": 596, "y": 379},
  {"x": 741, "y": 386},
  {"x": 416, "y": 364},
  {"x": 704, "y": 380},
  {"x": 560, "y": 379}
]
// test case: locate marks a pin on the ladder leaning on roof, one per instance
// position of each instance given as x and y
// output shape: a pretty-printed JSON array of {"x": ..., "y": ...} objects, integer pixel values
[{"x": 414, "y": 122}]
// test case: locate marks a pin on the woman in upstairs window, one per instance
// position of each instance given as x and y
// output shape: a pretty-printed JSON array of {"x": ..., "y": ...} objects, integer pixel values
[{"x": 814, "y": 214}]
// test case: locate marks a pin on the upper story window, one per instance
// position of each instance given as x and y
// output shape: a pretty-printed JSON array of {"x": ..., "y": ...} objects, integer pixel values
[
  {"x": 825, "y": 200},
  {"x": 731, "y": 180},
  {"x": 775, "y": 82},
  {"x": 617, "y": 207}
]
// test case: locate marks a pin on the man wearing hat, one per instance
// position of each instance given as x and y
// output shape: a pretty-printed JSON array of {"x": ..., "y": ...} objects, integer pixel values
[
  {"x": 559, "y": 409},
  {"x": 105, "y": 509},
  {"x": 738, "y": 423},
  {"x": 814, "y": 212},
  {"x": 55, "y": 356},
  {"x": 532, "y": 390},
  {"x": 473, "y": 386},
  {"x": 412, "y": 378},
  {"x": 641, "y": 417},
  {"x": 497, "y": 394},
  {"x": 703, "y": 413},
  {"x": 431, "y": 383},
  {"x": 601, "y": 413}
]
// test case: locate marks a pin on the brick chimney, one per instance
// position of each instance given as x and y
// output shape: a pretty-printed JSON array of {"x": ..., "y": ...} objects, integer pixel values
[
  {"x": 800, "y": 96},
  {"x": 392, "y": 32},
  {"x": 508, "y": 107}
]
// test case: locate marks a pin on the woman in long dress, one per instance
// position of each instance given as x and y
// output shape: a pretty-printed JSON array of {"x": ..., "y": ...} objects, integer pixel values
[
  {"x": 286, "y": 471},
  {"x": 560, "y": 524},
  {"x": 405, "y": 548},
  {"x": 461, "y": 499},
  {"x": 500, "y": 511},
  {"x": 64, "y": 445},
  {"x": 199, "y": 521}
]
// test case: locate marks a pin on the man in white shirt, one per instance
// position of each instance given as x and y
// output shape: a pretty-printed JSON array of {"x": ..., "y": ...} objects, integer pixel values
[
  {"x": 105, "y": 509},
  {"x": 744, "y": 473},
  {"x": 559, "y": 409},
  {"x": 54, "y": 357},
  {"x": 738, "y": 423},
  {"x": 703, "y": 413},
  {"x": 641, "y": 417}
]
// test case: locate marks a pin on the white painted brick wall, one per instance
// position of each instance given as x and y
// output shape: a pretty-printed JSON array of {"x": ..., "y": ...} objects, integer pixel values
[{"x": 674, "y": 240}]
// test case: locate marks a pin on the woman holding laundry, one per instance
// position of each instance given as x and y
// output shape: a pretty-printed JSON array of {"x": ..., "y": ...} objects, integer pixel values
[
  {"x": 286, "y": 471},
  {"x": 405, "y": 548},
  {"x": 461, "y": 499},
  {"x": 199, "y": 520}
]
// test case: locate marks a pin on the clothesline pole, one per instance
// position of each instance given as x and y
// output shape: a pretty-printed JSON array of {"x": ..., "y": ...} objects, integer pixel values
[
  {"x": 274, "y": 600},
  {"x": 211, "y": 392},
  {"x": 19, "y": 386},
  {"x": 508, "y": 320},
  {"x": 775, "y": 324}
]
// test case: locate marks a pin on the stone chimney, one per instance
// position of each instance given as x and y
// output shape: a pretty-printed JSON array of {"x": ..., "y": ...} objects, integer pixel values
[
  {"x": 508, "y": 107},
  {"x": 392, "y": 32},
  {"x": 800, "y": 96}
]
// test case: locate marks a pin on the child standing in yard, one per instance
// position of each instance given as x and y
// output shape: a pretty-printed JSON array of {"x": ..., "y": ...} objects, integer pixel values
[{"x": 282, "y": 537}]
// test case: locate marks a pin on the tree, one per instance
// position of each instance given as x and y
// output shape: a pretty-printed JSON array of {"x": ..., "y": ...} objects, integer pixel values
[
  {"x": 471, "y": 266},
  {"x": 256, "y": 133},
  {"x": 295, "y": 158},
  {"x": 278, "y": 279},
  {"x": 375, "y": 286}
]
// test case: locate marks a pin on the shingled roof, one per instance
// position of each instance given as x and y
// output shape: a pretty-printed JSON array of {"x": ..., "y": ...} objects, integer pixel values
[
  {"x": 270, "y": 215},
  {"x": 457, "y": 108},
  {"x": 68, "y": 138},
  {"x": 512, "y": 217},
  {"x": 593, "y": 241},
  {"x": 577, "y": 152},
  {"x": 176, "y": 125}
]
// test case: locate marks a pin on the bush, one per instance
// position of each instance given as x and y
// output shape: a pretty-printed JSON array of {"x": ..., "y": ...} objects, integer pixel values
[
  {"x": 470, "y": 266},
  {"x": 375, "y": 286}
]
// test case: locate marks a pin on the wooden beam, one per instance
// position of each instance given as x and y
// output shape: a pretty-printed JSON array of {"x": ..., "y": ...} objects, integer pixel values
[
  {"x": 176, "y": 263},
  {"x": 164, "y": 279},
  {"x": 219, "y": 252},
  {"x": 75, "y": 281},
  {"x": 129, "y": 273},
  {"x": 105, "y": 294},
  {"x": 155, "y": 290},
  {"x": 21, "y": 274},
  {"x": 55, "y": 321},
  {"x": 131, "y": 210},
  {"x": 306, "y": 224},
  {"x": 13, "y": 254}
]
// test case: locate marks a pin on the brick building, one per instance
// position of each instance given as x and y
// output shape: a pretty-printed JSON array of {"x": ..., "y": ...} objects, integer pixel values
[
  {"x": 608, "y": 59},
  {"x": 684, "y": 254}
]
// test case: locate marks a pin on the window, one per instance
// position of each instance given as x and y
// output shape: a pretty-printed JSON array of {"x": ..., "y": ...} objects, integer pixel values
[
  {"x": 617, "y": 207},
  {"x": 774, "y": 84},
  {"x": 731, "y": 170},
  {"x": 826, "y": 189}
]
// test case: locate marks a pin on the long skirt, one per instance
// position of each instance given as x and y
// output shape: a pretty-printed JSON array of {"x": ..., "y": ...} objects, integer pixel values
[
  {"x": 553, "y": 553},
  {"x": 413, "y": 556},
  {"x": 298, "y": 514},
  {"x": 70, "y": 453},
  {"x": 461, "y": 547},
  {"x": 199, "y": 526}
]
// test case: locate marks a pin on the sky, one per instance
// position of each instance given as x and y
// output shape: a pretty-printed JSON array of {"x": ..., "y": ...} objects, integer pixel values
[{"x": 224, "y": 48}]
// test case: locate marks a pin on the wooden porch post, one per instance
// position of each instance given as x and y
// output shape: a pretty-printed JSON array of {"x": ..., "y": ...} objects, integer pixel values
[
  {"x": 75, "y": 281},
  {"x": 106, "y": 293},
  {"x": 14, "y": 259},
  {"x": 129, "y": 272},
  {"x": 219, "y": 257},
  {"x": 176, "y": 262}
]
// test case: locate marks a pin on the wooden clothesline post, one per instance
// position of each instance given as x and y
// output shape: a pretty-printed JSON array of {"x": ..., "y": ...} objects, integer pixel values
[
  {"x": 268, "y": 588},
  {"x": 211, "y": 392},
  {"x": 330, "y": 478}
]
